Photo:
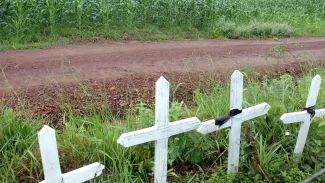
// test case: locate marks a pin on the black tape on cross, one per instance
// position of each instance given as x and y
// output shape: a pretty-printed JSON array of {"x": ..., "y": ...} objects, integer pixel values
[
  {"x": 311, "y": 111},
  {"x": 235, "y": 112},
  {"x": 220, "y": 121},
  {"x": 223, "y": 119}
]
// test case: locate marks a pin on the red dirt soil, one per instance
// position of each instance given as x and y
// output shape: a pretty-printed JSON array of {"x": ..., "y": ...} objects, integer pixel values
[{"x": 114, "y": 69}]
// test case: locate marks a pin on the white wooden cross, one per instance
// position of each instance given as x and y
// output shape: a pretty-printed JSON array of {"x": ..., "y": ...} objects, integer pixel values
[
  {"x": 160, "y": 132},
  {"x": 304, "y": 116},
  {"x": 236, "y": 100},
  {"x": 51, "y": 163}
]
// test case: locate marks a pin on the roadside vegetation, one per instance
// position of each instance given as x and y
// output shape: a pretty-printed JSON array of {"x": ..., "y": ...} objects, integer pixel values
[
  {"x": 192, "y": 156},
  {"x": 30, "y": 23}
]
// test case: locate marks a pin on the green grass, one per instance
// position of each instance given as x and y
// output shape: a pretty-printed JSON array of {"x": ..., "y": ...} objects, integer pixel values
[
  {"x": 28, "y": 22},
  {"x": 91, "y": 138}
]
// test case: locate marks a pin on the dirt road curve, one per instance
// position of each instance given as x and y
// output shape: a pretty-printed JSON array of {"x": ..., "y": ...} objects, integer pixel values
[{"x": 30, "y": 68}]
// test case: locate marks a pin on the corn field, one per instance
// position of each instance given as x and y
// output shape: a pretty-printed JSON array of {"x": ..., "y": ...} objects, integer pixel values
[{"x": 32, "y": 20}]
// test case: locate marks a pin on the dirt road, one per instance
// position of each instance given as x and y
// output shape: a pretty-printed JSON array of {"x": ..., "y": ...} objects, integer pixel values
[
  {"x": 120, "y": 74},
  {"x": 30, "y": 68}
]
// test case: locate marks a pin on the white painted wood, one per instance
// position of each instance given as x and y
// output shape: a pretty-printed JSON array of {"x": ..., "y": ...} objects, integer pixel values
[
  {"x": 234, "y": 145},
  {"x": 84, "y": 174},
  {"x": 162, "y": 102},
  {"x": 254, "y": 112},
  {"x": 236, "y": 99},
  {"x": 294, "y": 117},
  {"x": 161, "y": 121},
  {"x": 161, "y": 156},
  {"x": 50, "y": 155},
  {"x": 313, "y": 91},
  {"x": 304, "y": 116},
  {"x": 160, "y": 132},
  {"x": 156, "y": 133},
  {"x": 209, "y": 126},
  {"x": 320, "y": 113},
  {"x": 236, "y": 90},
  {"x": 300, "y": 116},
  {"x": 51, "y": 163},
  {"x": 302, "y": 136},
  {"x": 247, "y": 114},
  {"x": 235, "y": 131}
]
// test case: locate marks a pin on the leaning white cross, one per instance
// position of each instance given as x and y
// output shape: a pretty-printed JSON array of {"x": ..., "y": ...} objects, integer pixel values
[
  {"x": 304, "y": 116},
  {"x": 51, "y": 163},
  {"x": 235, "y": 121},
  {"x": 160, "y": 132}
]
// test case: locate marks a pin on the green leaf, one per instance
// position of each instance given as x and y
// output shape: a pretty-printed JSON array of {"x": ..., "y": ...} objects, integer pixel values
[
  {"x": 194, "y": 138},
  {"x": 195, "y": 156}
]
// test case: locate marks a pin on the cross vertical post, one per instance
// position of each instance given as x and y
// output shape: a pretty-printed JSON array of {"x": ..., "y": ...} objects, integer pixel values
[
  {"x": 306, "y": 116},
  {"x": 50, "y": 155},
  {"x": 236, "y": 101},
  {"x": 236, "y": 117},
  {"x": 51, "y": 163},
  {"x": 160, "y": 132},
  {"x": 161, "y": 121}
]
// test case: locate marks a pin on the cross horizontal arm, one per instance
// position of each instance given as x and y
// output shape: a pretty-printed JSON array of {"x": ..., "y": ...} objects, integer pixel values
[
  {"x": 139, "y": 136},
  {"x": 209, "y": 126},
  {"x": 320, "y": 112},
  {"x": 254, "y": 112},
  {"x": 293, "y": 117},
  {"x": 183, "y": 126},
  {"x": 247, "y": 114},
  {"x": 300, "y": 116},
  {"x": 83, "y": 174},
  {"x": 156, "y": 133}
]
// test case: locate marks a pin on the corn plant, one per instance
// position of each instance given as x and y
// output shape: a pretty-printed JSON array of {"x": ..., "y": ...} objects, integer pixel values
[
  {"x": 52, "y": 9},
  {"x": 31, "y": 20}
]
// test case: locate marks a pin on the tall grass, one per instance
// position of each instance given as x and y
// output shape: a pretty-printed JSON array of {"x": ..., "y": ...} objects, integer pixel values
[
  {"x": 31, "y": 21},
  {"x": 91, "y": 138}
]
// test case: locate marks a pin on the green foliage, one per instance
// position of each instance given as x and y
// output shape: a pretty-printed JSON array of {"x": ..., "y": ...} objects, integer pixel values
[
  {"x": 253, "y": 29},
  {"x": 31, "y": 21},
  {"x": 17, "y": 139}
]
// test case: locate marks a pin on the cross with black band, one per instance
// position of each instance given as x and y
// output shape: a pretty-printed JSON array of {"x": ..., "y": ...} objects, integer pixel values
[{"x": 234, "y": 120}]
